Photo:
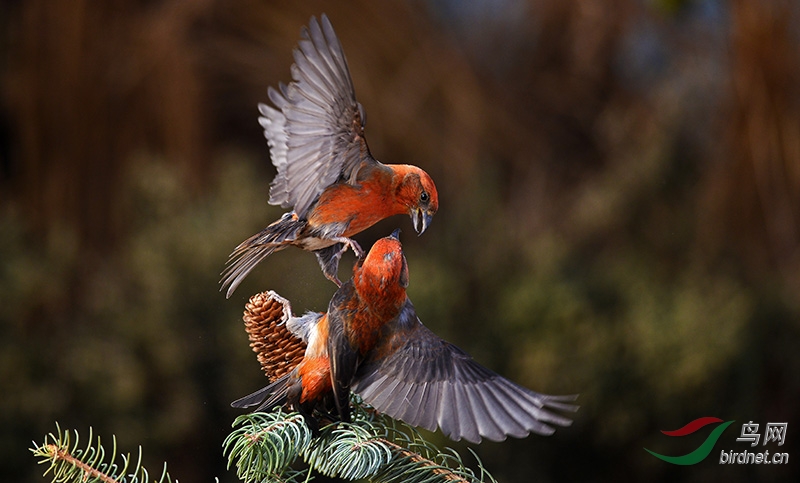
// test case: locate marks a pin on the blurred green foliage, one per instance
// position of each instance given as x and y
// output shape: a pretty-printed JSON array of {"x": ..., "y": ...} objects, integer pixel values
[{"x": 619, "y": 209}]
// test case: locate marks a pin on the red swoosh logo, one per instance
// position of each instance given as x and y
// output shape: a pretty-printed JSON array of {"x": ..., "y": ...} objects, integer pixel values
[{"x": 693, "y": 426}]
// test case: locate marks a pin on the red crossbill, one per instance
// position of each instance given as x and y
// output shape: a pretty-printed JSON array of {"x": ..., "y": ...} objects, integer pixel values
[
  {"x": 326, "y": 173},
  {"x": 371, "y": 342}
]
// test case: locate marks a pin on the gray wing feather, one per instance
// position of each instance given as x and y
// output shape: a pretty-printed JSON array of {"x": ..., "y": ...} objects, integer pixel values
[
  {"x": 428, "y": 382},
  {"x": 315, "y": 131},
  {"x": 429, "y": 400}
]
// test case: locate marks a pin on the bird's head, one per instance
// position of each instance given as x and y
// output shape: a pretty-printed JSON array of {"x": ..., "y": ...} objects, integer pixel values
[
  {"x": 417, "y": 194},
  {"x": 381, "y": 277}
]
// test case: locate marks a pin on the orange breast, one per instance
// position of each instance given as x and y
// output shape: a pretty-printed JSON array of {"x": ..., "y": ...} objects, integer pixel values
[
  {"x": 362, "y": 205},
  {"x": 364, "y": 329},
  {"x": 315, "y": 375},
  {"x": 315, "y": 368}
]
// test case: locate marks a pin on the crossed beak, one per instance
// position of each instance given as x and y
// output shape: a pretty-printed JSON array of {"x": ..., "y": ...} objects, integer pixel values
[{"x": 421, "y": 220}]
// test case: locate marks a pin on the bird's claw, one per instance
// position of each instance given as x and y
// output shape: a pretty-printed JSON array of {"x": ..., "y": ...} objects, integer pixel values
[{"x": 357, "y": 250}]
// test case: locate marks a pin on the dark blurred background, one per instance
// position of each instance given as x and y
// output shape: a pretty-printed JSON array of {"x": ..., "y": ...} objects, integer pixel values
[{"x": 620, "y": 216}]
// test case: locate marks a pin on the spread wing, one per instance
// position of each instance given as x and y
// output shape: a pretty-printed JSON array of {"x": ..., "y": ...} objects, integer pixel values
[
  {"x": 427, "y": 382},
  {"x": 316, "y": 134}
]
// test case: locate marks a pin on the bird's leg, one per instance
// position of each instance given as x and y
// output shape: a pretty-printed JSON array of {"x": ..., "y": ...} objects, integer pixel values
[
  {"x": 328, "y": 259},
  {"x": 349, "y": 242},
  {"x": 359, "y": 252},
  {"x": 308, "y": 417}
]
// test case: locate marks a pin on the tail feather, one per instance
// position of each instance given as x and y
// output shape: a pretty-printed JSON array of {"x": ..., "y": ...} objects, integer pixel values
[
  {"x": 267, "y": 397},
  {"x": 250, "y": 252}
]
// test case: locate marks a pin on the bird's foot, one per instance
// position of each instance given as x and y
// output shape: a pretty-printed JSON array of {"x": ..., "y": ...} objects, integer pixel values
[
  {"x": 357, "y": 250},
  {"x": 349, "y": 242},
  {"x": 334, "y": 279},
  {"x": 329, "y": 261}
]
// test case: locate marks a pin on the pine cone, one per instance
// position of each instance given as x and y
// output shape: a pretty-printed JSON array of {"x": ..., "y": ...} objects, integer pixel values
[{"x": 277, "y": 349}]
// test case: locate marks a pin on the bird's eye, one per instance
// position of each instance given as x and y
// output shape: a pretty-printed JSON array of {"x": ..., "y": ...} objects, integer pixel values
[{"x": 424, "y": 197}]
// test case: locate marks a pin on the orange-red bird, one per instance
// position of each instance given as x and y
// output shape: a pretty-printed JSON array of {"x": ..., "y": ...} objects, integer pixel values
[
  {"x": 326, "y": 173},
  {"x": 371, "y": 342}
]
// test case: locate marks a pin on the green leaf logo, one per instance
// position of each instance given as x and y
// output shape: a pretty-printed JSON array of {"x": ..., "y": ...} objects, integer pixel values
[{"x": 703, "y": 450}]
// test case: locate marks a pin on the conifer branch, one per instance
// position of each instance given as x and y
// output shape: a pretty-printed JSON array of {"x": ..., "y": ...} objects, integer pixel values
[
  {"x": 71, "y": 463},
  {"x": 265, "y": 444},
  {"x": 375, "y": 448}
]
